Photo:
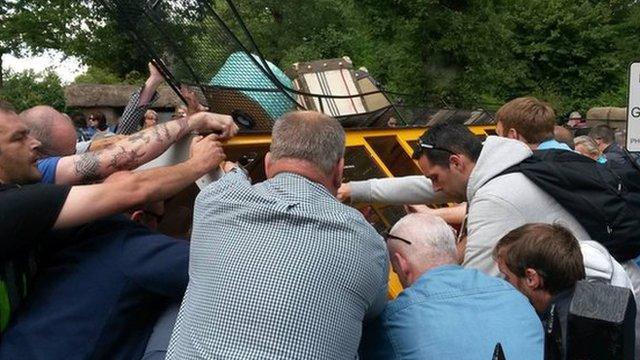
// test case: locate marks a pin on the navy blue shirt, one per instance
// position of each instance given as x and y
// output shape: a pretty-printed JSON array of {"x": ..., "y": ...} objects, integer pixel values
[{"x": 98, "y": 294}]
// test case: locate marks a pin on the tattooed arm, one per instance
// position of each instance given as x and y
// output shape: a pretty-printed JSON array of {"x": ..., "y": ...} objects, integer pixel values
[
  {"x": 126, "y": 189},
  {"x": 138, "y": 148}
]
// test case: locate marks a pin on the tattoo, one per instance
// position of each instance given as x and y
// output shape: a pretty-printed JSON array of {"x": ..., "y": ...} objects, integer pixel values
[
  {"x": 140, "y": 135},
  {"x": 165, "y": 129},
  {"x": 157, "y": 134},
  {"x": 125, "y": 159},
  {"x": 87, "y": 166}
]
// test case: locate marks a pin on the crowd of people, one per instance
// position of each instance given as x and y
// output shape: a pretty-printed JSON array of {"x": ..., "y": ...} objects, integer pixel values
[{"x": 284, "y": 269}]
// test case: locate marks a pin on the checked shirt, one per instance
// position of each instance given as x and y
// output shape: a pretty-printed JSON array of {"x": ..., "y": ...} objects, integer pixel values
[{"x": 278, "y": 270}]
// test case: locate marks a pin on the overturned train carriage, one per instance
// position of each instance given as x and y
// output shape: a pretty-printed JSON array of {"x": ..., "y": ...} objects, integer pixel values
[
  {"x": 370, "y": 153},
  {"x": 206, "y": 46}
]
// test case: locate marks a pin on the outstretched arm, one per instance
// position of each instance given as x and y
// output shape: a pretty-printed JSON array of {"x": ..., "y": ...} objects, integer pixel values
[
  {"x": 126, "y": 189},
  {"x": 138, "y": 148},
  {"x": 394, "y": 191},
  {"x": 139, "y": 102}
]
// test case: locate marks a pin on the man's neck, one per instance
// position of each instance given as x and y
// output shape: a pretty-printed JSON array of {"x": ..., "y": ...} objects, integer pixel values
[{"x": 302, "y": 168}]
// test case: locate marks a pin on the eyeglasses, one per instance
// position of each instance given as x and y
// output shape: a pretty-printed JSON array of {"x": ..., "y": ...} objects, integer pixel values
[
  {"x": 421, "y": 146},
  {"x": 386, "y": 235}
]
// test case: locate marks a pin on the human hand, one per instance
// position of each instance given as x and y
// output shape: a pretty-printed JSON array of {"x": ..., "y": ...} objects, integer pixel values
[
  {"x": 193, "y": 105},
  {"x": 415, "y": 208},
  {"x": 344, "y": 192},
  {"x": 206, "y": 152},
  {"x": 204, "y": 122},
  {"x": 227, "y": 166},
  {"x": 155, "y": 77}
]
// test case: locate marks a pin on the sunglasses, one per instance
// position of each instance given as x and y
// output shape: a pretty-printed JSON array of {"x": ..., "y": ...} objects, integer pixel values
[
  {"x": 421, "y": 146},
  {"x": 386, "y": 235}
]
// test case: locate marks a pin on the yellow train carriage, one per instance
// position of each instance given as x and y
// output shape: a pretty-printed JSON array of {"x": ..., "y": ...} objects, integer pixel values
[{"x": 370, "y": 153}]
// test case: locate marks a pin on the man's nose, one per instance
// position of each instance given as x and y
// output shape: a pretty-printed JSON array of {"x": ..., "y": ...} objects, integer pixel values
[{"x": 35, "y": 143}]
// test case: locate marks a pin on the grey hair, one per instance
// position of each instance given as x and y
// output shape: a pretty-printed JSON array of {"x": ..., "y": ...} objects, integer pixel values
[
  {"x": 589, "y": 144},
  {"x": 40, "y": 119},
  {"x": 311, "y": 136},
  {"x": 432, "y": 239}
]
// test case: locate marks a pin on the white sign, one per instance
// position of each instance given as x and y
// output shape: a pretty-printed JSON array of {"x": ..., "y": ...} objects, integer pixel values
[{"x": 633, "y": 109}]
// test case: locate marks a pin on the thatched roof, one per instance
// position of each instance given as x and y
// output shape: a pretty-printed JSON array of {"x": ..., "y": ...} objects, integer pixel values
[
  {"x": 89, "y": 95},
  {"x": 607, "y": 113}
]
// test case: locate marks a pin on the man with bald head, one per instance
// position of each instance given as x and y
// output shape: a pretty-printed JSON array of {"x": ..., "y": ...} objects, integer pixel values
[
  {"x": 59, "y": 165},
  {"x": 281, "y": 269},
  {"x": 53, "y": 129},
  {"x": 446, "y": 311}
]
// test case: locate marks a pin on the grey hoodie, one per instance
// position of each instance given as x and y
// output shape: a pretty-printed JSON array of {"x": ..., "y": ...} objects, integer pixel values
[{"x": 496, "y": 205}]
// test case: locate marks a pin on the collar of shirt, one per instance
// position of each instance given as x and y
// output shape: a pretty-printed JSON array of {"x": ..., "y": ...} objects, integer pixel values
[
  {"x": 553, "y": 144},
  {"x": 293, "y": 180}
]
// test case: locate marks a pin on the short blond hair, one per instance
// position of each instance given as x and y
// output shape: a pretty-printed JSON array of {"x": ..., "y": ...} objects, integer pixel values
[
  {"x": 532, "y": 118},
  {"x": 589, "y": 144}
]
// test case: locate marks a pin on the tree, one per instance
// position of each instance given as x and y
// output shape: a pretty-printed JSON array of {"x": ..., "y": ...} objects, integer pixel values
[
  {"x": 26, "y": 89},
  {"x": 80, "y": 28},
  {"x": 464, "y": 53}
]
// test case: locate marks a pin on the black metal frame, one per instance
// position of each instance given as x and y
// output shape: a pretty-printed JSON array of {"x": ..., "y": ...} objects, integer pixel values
[{"x": 148, "y": 10}]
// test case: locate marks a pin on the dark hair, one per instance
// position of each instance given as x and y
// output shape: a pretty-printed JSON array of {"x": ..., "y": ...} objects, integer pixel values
[
  {"x": 563, "y": 135},
  {"x": 551, "y": 250},
  {"x": 532, "y": 118},
  {"x": 604, "y": 133},
  {"x": 101, "y": 119},
  {"x": 446, "y": 139},
  {"x": 79, "y": 119}
]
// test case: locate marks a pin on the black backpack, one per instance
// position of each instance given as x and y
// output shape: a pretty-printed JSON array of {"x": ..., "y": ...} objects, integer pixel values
[{"x": 605, "y": 203}]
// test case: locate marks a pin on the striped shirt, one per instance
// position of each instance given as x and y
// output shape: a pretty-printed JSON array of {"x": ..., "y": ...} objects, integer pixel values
[{"x": 278, "y": 270}]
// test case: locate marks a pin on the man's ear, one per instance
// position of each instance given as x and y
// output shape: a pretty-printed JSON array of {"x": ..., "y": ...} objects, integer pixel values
[
  {"x": 403, "y": 269},
  {"x": 267, "y": 164},
  {"x": 338, "y": 172},
  {"x": 137, "y": 216},
  {"x": 533, "y": 280},
  {"x": 513, "y": 134},
  {"x": 457, "y": 162}
]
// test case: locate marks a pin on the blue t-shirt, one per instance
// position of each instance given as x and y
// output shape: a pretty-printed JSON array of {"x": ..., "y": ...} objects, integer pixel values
[
  {"x": 47, "y": 168},
  {"x": 455, "y": 313}
]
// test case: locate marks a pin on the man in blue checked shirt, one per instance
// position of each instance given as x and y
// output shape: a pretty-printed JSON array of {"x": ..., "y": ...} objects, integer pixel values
[{"x": 281, "y": 269}]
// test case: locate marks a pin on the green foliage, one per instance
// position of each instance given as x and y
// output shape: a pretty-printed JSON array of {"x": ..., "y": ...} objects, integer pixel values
[
  {"x": 98, "y": 75},
  {"x": 80, "y": 28},
  {"x": 475, "y": 53},
  {"x": 464, "y": 53},
  {"x": 26, "y": 89}
]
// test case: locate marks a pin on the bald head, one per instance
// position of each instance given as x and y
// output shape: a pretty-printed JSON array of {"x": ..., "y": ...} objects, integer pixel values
[
  {"x": 433, "y": 244},
  {"x": 53, "y": 129}
]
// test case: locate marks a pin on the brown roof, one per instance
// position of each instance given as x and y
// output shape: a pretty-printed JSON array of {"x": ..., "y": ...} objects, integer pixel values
[{"x": 89, "y": 95}]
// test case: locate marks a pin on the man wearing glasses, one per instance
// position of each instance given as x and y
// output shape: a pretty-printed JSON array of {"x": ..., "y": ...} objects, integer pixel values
[
  {"x": 446, "y": 311},
  {"x": 459, "y": 167}
]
